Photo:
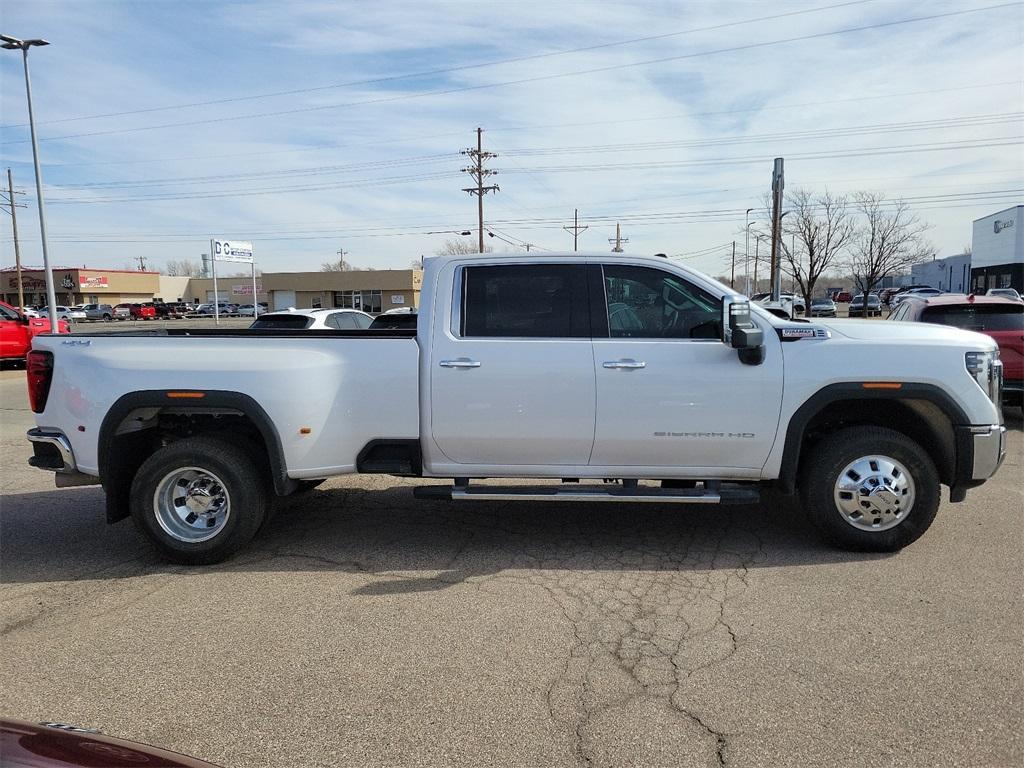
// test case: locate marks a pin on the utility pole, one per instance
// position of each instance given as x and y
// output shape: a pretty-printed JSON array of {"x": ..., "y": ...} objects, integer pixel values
[
  {"x": 142, "y": 263},
  {"x": 14, "y": 224},
  {"x": 732, "y": 270},
  {"x": 757, "y": 245},
  {"x": 479, "y": 174},
  {"x": 746, "y": 250},
  {"x": 342, "y": 253},
  {"x": 576, "y": 229},
  {"x": 778, "y": 183},
  {"x": 618, "y": 239}
]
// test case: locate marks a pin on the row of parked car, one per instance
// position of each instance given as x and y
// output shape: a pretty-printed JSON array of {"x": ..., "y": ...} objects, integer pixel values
[{"x": 146, "y": 310}]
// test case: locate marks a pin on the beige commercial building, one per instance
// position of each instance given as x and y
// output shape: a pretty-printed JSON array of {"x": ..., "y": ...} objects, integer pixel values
[
  {"x": 82, "y": 286},
  {"x": 372, "y": 291}
]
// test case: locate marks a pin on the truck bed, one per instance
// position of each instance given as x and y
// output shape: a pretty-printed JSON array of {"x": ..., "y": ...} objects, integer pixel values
[{"x": 329, "y": 393}]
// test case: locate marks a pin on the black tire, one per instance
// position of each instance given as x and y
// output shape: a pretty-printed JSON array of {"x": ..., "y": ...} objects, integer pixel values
[
  {"x": 819, "y": 474},
  {"x": 246, "y": 487},
  {"x": 106, "y": 318}
]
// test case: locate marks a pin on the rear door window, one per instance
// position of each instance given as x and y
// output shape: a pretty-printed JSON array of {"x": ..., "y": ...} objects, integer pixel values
[
  {"x": 977, "y": 317},
  {"x": 525, "y": 301}
]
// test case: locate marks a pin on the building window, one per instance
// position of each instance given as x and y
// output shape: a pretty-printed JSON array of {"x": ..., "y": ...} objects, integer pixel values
[
  {"x": 367, "y": 301},
  {"x": 318, "y": 302},
  {"x": 1005, "y": 280}
]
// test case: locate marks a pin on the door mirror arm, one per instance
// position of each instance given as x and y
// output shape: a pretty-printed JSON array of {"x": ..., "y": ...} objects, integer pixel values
[{"x": 740, "y": 332}]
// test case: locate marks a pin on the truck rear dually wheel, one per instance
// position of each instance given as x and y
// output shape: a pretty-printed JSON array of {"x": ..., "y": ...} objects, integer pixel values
[
  {"x": 198, "y": 500},
  {"x": 870, "y": 489}
]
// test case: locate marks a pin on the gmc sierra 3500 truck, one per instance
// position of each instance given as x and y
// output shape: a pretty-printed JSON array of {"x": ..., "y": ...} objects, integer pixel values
[{"x": 576, "y": 369}]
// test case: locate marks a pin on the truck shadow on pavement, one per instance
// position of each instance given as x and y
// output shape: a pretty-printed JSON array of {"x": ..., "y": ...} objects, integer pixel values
[{"x": 404, "y": 545}]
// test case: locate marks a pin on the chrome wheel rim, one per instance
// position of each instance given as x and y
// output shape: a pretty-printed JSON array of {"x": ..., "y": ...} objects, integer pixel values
[
  {"x": 874, "y": 493},
  {"x": 191, "y": 504}
]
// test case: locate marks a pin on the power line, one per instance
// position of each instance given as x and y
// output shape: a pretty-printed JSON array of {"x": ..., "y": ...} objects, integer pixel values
[
  {"x": 829, "y": 133},
  {"x": 533, "y": 79},
  {"x": 538, "y": 126},
  {"x": 447, "y": 70}
]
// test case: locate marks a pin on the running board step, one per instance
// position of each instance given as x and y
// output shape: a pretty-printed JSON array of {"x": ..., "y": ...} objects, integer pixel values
[{"x": 729, "y": 495}]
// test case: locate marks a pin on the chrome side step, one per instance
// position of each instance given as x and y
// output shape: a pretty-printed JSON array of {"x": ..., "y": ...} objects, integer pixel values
[{"x": 627, "y": 495}]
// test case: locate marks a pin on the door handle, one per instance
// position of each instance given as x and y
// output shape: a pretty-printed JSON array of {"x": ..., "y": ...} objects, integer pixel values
[
  {"x": 628, "y": 364},
  {"x": 460, "y": 363}
]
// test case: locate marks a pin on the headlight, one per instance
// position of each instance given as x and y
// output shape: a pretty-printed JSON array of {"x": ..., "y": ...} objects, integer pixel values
[{"x": 987, "y": 370}]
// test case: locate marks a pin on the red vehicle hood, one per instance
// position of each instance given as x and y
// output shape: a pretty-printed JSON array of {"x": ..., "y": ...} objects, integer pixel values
[
  {"x": 53, "y": 745},
  {"x": 1011, "y": 352}
]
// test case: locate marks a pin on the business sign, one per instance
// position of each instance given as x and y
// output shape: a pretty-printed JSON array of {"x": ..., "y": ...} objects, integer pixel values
[
  {"x": 246, "y": 290},
  {"x": 397, "y": 298},
  {"x": 999, "y": 226},
  {"x": 231, "y": 250},
  {"x": 93, "y": 281},
  {"x": 28, "y": 283}
]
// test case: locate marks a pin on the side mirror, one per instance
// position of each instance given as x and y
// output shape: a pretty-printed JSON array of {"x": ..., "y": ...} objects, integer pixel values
[{"x": 740, "y": 332}]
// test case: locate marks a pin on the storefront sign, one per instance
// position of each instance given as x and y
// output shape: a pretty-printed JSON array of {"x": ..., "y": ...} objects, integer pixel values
[
  {"x": 246, "y": 290},
  {"x": 397, "y": 298},
  {"x": 93, "y": 281},
  {"x": 29, "y": 283}
]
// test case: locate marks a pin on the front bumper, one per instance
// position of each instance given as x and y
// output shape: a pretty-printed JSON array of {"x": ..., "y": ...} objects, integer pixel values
[{"x": 989, "y": 450}]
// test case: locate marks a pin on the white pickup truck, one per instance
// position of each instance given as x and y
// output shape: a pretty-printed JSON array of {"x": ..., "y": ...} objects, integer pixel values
[{"x": 615, "y": 378}]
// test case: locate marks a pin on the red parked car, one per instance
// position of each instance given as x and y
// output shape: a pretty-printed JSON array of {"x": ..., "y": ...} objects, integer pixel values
[
  {"x": 136, "y": 311},
  {"x": 995, "y": 316},
  {"x": 16, "y": 331}
]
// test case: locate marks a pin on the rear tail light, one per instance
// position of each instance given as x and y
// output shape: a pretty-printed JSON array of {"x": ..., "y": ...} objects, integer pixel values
[{"x": 39, "y": 367}]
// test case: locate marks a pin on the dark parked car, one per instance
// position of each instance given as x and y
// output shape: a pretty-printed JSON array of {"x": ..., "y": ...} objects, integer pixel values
[
  {"x": 858, "y": 308},
  {"x": 1000, "y": 317}
]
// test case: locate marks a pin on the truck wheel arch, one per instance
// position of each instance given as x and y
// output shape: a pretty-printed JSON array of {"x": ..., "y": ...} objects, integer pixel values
[
  {"x": 925, "y": 412},
  {"x": 117, "y": 473}
]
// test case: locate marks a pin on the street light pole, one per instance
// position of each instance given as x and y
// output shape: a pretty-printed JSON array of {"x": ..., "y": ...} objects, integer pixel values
[
  {"x": 746, "y": 251},
  {"x": 13, "y": 43}
]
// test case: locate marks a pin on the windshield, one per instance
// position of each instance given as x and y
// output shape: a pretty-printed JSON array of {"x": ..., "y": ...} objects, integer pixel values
[{"x": 977, "y": 317}]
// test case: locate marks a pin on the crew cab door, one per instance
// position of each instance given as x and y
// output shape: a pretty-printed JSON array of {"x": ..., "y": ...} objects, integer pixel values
[
  {"x": 669, "y": 392},
  {"x": 511, "y": 366}
]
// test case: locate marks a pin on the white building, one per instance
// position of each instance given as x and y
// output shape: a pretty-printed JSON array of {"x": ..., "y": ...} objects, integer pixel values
[
  {"x": 952, "y": 274},
  {"x": 997, "y": 259}
]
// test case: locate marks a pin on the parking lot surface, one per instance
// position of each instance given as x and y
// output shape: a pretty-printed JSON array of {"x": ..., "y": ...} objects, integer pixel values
[{"x": 363, "y": 628}]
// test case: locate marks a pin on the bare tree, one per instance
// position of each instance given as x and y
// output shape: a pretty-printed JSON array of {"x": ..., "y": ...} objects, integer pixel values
[
  {"x": 416, "y": 263},
  {"x": 459, "y": 248},
  {"x": 183, "y": 268},
  {"x": 819, "y": 229},
  {"x": 889, "y": 239},
  {"x": 341, "y": 265}
]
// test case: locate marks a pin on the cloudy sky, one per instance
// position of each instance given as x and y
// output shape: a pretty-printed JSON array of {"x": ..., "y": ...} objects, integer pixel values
[{"x": 313, "y": 126}]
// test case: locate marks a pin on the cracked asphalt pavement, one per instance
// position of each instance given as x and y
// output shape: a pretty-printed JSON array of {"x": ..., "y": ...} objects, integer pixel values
[{"x": 364, "y": 628}]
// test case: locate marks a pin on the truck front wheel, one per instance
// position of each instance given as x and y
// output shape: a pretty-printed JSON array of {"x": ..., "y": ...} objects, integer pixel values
[
  {"x": 198, "y": 500},
  {"x": 870, "y": 489}
]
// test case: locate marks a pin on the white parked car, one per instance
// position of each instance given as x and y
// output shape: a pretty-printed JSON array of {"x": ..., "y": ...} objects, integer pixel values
[
  {"x": 65, "y": 313},
  {"x": 30, "y": 312},
  {"x": 582, "y": 367},
  {"x": 1009, "y": 293},
  {"x": 314, "y": 319},
  {"x": 918, "y": 293}
]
